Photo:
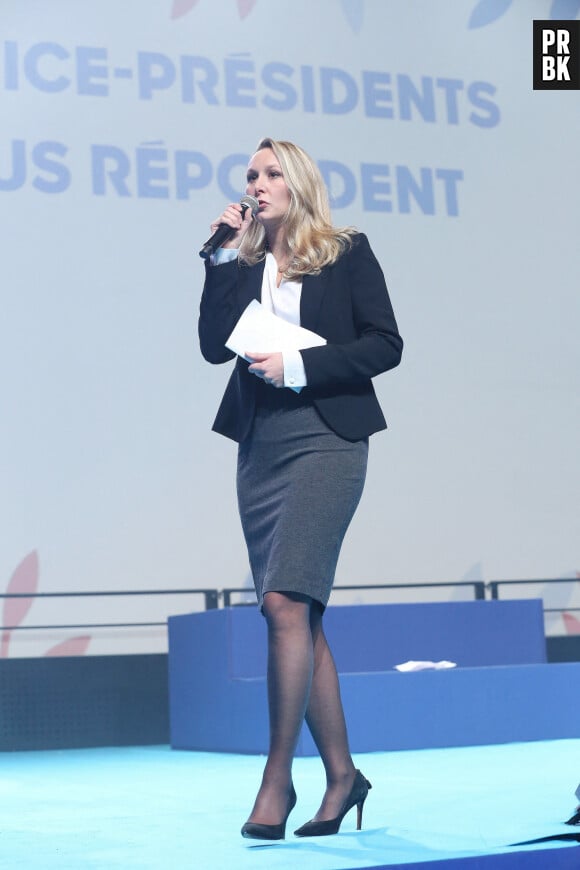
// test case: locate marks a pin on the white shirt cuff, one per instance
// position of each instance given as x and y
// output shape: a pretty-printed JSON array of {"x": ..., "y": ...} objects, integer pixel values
[
  {"x": 223, "y": 255},
  {"x": 294, "y": 372}
]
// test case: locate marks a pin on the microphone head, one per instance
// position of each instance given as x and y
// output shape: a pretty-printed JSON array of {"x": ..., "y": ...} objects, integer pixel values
[{"x": 251, "y": 202}]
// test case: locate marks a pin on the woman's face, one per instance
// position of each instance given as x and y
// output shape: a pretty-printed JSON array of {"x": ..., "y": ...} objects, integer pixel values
[{"x": 266, "y": 183}]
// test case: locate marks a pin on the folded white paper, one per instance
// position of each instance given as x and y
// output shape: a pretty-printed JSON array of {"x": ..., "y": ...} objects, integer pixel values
[
  {"x": 261, "y": 331},
  {"x": 422, "y": 666}
]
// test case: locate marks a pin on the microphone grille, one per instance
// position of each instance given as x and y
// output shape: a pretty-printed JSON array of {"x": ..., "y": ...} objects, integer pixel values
[{"x": 251, "y": 202}]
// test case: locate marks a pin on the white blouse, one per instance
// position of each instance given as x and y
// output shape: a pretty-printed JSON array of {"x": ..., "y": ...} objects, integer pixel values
[{"x": 284, "y": 301}]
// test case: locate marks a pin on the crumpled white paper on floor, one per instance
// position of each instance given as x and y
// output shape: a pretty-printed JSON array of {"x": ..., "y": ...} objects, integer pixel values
[{"x": 423, "y": 666}]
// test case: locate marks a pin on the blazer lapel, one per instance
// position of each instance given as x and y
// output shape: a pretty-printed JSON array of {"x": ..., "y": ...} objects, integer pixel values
[
  {"x": 250, "y": 285},
  {"x": 313, "y": 289}
]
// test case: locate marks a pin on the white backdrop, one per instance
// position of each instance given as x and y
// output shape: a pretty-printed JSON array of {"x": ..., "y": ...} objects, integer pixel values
[{"x": 125, "y": 129}]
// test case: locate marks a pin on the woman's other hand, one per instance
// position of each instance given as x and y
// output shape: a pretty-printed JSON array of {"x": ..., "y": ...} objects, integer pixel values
[{"x": 268, "y": 366}]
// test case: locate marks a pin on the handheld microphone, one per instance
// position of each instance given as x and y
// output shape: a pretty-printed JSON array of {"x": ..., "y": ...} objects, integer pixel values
[{"x": 224, "y": 231}]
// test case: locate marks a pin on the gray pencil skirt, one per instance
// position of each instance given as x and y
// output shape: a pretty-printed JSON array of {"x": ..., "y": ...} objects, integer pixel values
[{"x": 298, "y": 487}]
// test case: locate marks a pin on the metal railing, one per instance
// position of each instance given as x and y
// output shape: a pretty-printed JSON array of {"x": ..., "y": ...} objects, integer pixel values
[
  {"x": 215, "y": 598},
  {"x": 478, "y": 587},
  {"x": 211, "y": 599},
  {"x": 494, "y": 587}
]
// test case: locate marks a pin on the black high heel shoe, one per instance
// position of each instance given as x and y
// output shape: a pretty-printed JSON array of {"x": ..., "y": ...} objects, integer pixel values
[
  {"x": 358, "y": 795},
  {"x": 256, "y": 831}
]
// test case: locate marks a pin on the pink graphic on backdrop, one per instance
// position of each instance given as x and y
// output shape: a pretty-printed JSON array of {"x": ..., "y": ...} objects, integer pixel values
[
  {"x": 484, "y": 12},
  {"x": 352, "y": 9},
  {"x": 182, "y": 7},
  {"x": 571, "y": 623},
  {"x": 245, "y": 7},
  {"x": 74, "y": 646},
  {"x": 24, "y": 581}
]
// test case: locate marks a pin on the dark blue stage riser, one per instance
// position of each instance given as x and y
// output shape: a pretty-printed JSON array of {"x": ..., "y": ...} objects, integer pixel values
[{"x": 502, "y": 691}]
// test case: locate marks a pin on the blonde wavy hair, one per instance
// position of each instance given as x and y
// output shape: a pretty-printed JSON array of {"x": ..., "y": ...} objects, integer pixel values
[{"x": 312, "y": 239}]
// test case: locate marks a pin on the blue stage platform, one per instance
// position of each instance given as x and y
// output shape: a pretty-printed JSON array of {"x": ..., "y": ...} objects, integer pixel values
[
  {"x": 501, "y": 691},
  {"x": 467, "y": 807},
  {"x": 148, "y": 808}
]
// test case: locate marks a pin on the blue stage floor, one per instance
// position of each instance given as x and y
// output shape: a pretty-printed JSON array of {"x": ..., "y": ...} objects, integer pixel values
[{"x": 156, "y": 808}]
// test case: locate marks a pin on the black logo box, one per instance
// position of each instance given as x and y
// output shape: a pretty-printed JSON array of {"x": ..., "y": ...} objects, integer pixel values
[{"x": 560, "y": 36}]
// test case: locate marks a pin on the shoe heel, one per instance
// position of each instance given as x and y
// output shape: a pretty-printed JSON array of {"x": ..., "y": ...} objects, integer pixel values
[
  {"x": 359, "y": 812},
  {"x": 360, "y": 805}
]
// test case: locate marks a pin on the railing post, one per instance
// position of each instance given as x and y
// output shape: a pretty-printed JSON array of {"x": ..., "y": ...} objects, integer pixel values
[
  {"x": 211, "y": 599},
  {"x": 479, "y": 587}
]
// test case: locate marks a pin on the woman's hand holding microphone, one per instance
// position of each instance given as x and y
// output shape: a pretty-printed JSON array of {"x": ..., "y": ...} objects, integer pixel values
[{"x": 238, "y": 218}]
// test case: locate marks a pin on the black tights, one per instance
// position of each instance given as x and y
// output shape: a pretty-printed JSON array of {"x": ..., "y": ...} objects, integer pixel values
[{"x": 302, "y": 684}]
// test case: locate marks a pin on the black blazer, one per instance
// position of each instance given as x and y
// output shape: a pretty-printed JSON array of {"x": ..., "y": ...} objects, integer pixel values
[{"x": 348, "y": 304}]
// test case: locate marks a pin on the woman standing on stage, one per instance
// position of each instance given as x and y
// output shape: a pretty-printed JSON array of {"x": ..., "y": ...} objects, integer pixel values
[{"x": 302, "y": 453}]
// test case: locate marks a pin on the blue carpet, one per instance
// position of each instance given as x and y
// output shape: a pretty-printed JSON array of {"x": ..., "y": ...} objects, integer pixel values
[{"x": 156, "y": 808}]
